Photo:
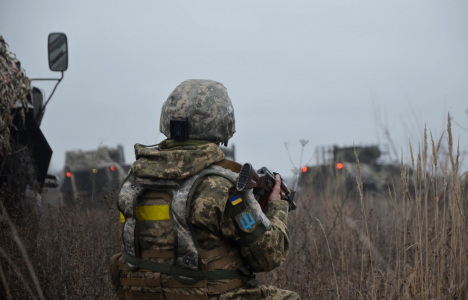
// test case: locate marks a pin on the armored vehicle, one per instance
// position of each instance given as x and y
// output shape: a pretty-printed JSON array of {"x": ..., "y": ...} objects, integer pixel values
[
  {"x": 341, "y": 171},
  {"x": 24, "y": 151},
  {"x": 89, "y": 176}
]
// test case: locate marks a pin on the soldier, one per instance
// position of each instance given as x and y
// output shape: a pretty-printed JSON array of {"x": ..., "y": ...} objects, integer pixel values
[{"x": 187, "y": 232}]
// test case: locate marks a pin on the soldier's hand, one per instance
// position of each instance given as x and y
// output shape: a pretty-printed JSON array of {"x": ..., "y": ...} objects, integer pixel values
[{"x": 275, "y": 194}]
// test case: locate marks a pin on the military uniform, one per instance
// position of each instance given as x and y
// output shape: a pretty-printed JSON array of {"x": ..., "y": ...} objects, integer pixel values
[{"x": 227, "y": 229}]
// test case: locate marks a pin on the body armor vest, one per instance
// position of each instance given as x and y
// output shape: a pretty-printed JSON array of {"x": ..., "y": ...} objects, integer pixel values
[{"x": 187, "y": 266}]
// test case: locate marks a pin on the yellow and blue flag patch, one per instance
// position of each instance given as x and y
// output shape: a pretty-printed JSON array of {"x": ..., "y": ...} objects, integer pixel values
[{"x": 236, "y": 199}]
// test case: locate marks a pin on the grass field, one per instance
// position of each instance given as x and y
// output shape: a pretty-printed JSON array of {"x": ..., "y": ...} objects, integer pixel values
[{"x": 410, "y": 242}]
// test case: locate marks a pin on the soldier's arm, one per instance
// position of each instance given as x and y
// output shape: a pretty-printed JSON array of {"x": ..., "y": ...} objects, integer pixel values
[
  {"x": 207, "y": 212},
  {"x": 269, "y": 250},
  {"x": 212, "y": 218}
]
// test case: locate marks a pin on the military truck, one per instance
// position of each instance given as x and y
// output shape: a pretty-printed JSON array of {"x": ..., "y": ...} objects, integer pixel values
[
  {"x": 89, "y": 176},
  {"x": 341, "y": 171},
  {"x": 24, "y": 151}
]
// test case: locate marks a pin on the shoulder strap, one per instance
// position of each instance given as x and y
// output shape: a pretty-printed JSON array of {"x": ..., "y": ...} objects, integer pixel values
[
  {"x": 186, "y": 248},
  {"x": 230, "y": 165}
]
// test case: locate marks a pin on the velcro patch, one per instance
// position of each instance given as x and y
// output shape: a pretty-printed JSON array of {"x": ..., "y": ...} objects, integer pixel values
[
  {"x": 236, "y": 199},
  {"x": 245, "y": 220},
  {"x": 152, "y": 213}
]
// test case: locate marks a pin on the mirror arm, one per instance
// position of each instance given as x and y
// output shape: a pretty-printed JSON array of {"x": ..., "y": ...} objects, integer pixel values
[{"x": 53, "y": 91}]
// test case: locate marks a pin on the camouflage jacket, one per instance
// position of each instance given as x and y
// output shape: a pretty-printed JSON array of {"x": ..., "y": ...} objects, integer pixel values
[{"x": 211, "y": 219}]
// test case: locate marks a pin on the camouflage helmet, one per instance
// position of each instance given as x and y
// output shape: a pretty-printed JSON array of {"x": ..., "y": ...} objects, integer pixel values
[{"x": 206, "y": 105}]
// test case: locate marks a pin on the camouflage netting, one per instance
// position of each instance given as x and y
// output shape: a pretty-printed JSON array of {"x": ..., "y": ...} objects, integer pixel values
[
  {"x": 17, "y": 171},
  {"x": 14, "y": 87}
]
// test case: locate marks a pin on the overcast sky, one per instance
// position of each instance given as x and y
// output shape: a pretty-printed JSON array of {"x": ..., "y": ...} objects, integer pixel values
[{"x": 293, "y": 69}]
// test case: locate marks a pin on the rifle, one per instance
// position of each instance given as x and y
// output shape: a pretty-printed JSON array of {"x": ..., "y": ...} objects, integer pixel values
[{"x": 263, "y": 181}]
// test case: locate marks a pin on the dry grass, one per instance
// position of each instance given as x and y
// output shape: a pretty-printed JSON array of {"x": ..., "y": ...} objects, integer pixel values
[
  {"x": 410, "y": 242},
  {"x": 404, "y": 244},
  {"x": 69, "y": 250}
]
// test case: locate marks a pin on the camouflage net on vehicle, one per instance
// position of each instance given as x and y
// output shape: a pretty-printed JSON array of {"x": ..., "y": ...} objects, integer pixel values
[{"x": 14, "y": 89}]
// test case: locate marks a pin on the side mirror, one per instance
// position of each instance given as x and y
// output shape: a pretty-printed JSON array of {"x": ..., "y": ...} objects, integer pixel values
[{"x": 58, "y": 52}]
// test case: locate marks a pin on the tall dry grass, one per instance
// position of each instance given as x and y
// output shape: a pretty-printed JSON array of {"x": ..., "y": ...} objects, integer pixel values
[
  {"x": 69, "y": 250},
  {"x": 407, "y": 242},
  {"x": 410, "y": 242}
]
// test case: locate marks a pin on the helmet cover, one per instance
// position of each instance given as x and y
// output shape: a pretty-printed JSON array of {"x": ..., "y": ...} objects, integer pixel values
[{"x": 206, "y": 105}]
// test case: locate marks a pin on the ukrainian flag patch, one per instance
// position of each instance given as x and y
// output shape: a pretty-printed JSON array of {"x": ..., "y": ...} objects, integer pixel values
[{"x": 236, "y": 199}]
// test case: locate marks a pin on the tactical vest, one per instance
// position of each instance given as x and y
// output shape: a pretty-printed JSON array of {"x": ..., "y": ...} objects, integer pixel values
[{"x": 188, "y": 268}]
